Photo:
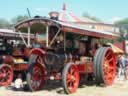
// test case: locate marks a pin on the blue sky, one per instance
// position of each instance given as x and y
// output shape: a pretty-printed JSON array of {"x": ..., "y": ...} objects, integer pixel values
[{"x": 107, "y": 10}]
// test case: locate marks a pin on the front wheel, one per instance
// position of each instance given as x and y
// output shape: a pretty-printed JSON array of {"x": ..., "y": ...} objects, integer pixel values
[
  {"x": 70, "y": 78},
  {"x": 6, "y": 75},
  {"x": 36, "y": 73}
]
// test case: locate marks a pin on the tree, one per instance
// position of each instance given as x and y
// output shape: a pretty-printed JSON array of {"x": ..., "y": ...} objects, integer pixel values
[
  {"x": 95, "y": 18},
  {"x": 19, "y": 18},
  {"x": 87, "y": 15},
  {"x": 4, "y": 23},
  {"x": 123, "y": 21},
  {"x": 123, "y": 25}
]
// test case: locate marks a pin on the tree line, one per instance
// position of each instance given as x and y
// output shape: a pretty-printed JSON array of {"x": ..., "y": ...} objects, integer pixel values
[{"x": 9, "y": 24}]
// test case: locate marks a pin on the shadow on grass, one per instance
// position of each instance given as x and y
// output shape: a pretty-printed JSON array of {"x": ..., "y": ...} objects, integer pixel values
[
  {"x": 58, "y": 87},
  {"x": 50, "y": 86}
]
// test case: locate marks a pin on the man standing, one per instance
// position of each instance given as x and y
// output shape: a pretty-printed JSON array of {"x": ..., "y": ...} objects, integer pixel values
[{"x": 121, "y": 66}]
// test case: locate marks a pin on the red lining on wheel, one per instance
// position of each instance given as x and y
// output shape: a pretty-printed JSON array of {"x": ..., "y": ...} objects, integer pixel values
[
  {"x": 38, "y": 75},
  {"x": 6, "y": 75},
  {"x": 109, "y": 67},
  {"x": 73, "y": 79}
]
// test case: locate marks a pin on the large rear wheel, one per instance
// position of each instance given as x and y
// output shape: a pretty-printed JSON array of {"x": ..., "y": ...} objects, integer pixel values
[
  {"x": 70, "y": 78},
  {"x": 6, "y": 75},
  {"x": 104, "y": 66},
  {"x": 36, "y": 73}
]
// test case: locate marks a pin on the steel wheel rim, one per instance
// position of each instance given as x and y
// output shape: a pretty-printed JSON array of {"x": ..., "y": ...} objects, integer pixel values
[
  {"x": 109, "y": 67},
  {"x": 72, "y": 79},
  {"x": 38, "y": 74},
  {"x": 6, "y": 76}
]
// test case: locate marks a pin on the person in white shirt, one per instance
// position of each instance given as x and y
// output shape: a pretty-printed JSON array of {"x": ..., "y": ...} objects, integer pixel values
[{"x": 18, "y": 84}]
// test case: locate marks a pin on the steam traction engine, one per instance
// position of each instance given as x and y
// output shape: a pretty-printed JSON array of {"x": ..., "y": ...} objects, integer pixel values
[
  {"x": 11, "y": 61},
  {"x": 67, "y": 51}
]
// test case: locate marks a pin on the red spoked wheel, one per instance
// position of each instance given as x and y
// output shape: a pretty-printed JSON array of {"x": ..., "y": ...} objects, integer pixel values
[
  {"x": 104, "y": 66},
  {"x": 36, "y": 73},
  {"x": 70, "y": 78},
  {"x": 6, "y": 75}
]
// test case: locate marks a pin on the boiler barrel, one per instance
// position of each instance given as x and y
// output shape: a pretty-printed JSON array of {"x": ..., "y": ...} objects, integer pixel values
[{"x": 56, "y": 59}]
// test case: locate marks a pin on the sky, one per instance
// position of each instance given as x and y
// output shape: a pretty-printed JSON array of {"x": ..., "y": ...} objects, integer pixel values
[{"x": 106, "y": 10}]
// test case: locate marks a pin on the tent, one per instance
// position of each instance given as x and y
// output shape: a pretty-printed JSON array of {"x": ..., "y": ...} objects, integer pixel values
[
  {"x": 115, "y": 49},
  {"x": 66, "y": 16}
]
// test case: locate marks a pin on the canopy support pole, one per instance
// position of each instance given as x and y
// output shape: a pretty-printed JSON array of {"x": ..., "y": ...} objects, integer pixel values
[
  {"x": 23, "y": 38},
  {"x": 29, "y": 29},
  {"x": 54, "y": 37},
  {"x": 47, "y": 35},
  {"x": 64, "y": 41}
]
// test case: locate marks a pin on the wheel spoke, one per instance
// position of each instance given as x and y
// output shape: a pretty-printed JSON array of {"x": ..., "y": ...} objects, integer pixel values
[
  {"x": 109, "y": 60},
  {"x": 1, "y": 76},
  {"x": 71, "y": 70},
  {"x": 39, "y": 60},
  {"x": 111, "y": 68},
  {"x": 2, "y": 70},
  {"x": 109, "y": 76},
  {"x": 69, "y": 77},
  {"x": 108, "y": 54}
]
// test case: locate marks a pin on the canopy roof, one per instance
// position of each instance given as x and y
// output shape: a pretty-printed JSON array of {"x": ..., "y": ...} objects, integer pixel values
[
  {"x": 67, "y": 27},
  {"x": 13, "y": 35},
  {"x": 115, "y": 48},
  {"x": 67, "y": 16}
]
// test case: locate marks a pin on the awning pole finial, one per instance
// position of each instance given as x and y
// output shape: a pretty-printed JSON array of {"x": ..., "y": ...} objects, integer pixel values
[{"x": 64, "y": 6}]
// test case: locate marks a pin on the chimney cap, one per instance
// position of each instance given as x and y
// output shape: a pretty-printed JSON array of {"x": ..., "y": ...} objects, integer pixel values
[
  {"x": 64, "y": 6},
  {"x": 53, "y": 14}
]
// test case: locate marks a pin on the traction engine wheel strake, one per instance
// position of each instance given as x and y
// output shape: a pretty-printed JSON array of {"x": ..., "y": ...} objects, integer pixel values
[
  {"x": 36, "y": 74},
  {"x": 105, "y": 66},
  {"x": 70, "y": 78},
  {"x": 6, "y": 75}
]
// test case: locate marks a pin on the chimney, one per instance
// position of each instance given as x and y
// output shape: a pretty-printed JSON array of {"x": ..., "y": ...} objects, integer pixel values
[
  {"x": 64, "y": 7},
  {"x": 54, "y": 15}
]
